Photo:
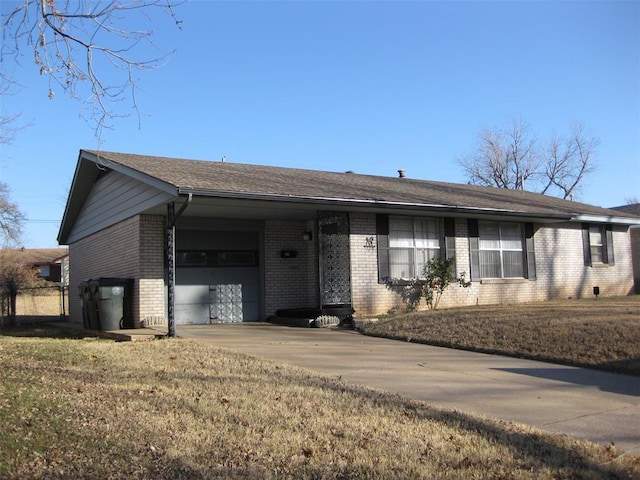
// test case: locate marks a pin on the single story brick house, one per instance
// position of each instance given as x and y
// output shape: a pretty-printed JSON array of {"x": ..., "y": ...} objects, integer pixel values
[
  {"x": 51, "y": 263},
  {"x": 209, "y": 242}
]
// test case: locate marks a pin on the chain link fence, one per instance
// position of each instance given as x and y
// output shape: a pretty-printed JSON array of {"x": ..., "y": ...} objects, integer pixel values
[{"x": 37, "y": 305}]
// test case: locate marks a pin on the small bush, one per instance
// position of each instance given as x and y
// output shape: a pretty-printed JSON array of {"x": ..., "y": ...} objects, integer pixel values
[{"x": 437, "y": 275}]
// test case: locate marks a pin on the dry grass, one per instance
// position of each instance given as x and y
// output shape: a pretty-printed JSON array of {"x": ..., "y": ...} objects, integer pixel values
[
  {"x": 88, "y": 408},
  {"x": 602, "y": 334}
]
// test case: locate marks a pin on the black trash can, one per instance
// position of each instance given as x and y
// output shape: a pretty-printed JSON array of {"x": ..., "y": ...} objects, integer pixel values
[{"x": 112, "y": 301}]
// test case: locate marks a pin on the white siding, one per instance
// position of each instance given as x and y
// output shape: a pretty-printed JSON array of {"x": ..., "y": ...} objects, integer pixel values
[{"x": 113, "y": 198}]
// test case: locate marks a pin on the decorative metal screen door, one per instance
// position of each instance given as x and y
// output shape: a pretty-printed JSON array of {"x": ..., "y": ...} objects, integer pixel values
[{"x": 335, "y": 262}]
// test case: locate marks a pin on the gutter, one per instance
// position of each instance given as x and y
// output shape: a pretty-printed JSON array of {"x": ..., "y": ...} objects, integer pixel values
[
  {"x": 455, "y": 209},
  {"x": 350, "y": 202},
  {"x": 176, "y": 215},
  {"x": 606, "y": 219}
]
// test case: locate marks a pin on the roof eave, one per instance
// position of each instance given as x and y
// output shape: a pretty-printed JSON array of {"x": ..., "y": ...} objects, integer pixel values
[
  {"x": 605, "y": 219},
  {"x": 107, "y": 163},
  {"x": 378, "y": 204},
  {"x": 83, "y": 180},
  {"x": 70, "y": 212}
]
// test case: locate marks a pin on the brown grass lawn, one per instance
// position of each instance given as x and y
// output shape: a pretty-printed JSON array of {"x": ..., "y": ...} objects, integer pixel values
[
  {"x": 89, "y": 408},
  {"x": 602, "y": 334}
]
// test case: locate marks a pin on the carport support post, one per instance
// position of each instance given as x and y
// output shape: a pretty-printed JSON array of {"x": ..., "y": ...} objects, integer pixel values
[
  {"x": 172, "y": 216},
  {"x": 171, "y": 267}
]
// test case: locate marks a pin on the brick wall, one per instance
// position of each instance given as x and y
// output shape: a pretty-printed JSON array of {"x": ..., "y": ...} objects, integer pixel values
[
  {"x": 150, "y": 280},
  {"x": 635, "y": 254},
  {"x": 369, "y": 296},
  {"x": 560, "y": 268},
  {"x": 289, "y": 282},
  {"x": 132, "y": 249}
]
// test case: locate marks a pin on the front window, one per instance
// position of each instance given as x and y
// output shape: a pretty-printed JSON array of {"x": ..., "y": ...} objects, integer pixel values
[
  {"x": 596, "y": 243},
  {"x": 412, "y": 243},
  {"x": 500, "y": 246}
]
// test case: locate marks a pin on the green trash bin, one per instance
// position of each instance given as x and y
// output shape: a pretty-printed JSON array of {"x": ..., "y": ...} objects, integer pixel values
[{"x": 112, "y": 302}]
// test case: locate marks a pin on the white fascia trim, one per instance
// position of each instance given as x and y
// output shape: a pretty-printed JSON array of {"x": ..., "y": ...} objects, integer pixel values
[
  {"x": 104, "y": 162},
  {"x": 606, "y": 219}
]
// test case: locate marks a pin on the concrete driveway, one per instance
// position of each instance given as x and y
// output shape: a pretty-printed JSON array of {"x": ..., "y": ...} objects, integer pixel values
[{"x": 597, "y": 406}]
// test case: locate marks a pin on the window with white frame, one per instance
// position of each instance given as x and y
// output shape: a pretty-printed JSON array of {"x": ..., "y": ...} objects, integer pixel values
[
  {"x": 596, "y": 243},
  {"x": 500, "y": 250},
  {"x": 413, "y": 242}
]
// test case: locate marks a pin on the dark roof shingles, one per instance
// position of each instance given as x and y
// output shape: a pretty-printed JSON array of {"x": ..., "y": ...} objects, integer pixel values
[
  {"x": 266, "y": 180},
  {"x": 41, "y": 256}
]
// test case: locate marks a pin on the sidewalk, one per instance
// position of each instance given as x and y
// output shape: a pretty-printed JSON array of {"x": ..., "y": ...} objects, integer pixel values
[{"x": 597, "y": 406}]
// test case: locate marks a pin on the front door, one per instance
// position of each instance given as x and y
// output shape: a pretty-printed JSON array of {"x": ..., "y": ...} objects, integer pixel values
[{"x": 335, "y": 261}]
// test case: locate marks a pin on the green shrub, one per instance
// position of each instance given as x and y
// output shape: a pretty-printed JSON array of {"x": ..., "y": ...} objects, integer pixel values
[{"x": 437, "y": 274}]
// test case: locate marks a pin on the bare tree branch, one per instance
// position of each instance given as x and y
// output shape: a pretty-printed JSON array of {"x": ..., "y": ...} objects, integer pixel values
[
  {"x": 503, "y": 158},
  {"x": 11, "y": 219},
  {"x": 511, "y": 158},
  {"x": 9, "y": 127},
  {"x": 567, "y": 162},
  {"x": 10, "y": 123},
  {"x": 86, "y": 49},
  {"x": 15, "y": 274}
]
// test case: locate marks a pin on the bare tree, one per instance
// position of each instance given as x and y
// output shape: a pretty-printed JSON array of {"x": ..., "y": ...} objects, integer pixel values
[
  {"x": 566, "y": 162},
  {"x": 15, "y": 275},
  {"x": 87, "y": 49},
  {"x": 503, "y": 158},
  {"x": 11, "y": 218},
  {"x": 512, "y": 158}
]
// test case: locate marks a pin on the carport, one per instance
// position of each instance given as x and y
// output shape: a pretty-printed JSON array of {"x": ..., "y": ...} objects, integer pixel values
[{"x": 232, "y": 261}]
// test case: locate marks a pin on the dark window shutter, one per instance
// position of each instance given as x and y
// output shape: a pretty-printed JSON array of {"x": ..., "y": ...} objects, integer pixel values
[
  {"x": 586, "y": 247},
  {"x": 474, "y": 249},
  {"x": 609, "y": 245},
  {"x": 450, "y": 240},
  {"x": 382, "y": 232},
  {"x": 531, "y": 253}
]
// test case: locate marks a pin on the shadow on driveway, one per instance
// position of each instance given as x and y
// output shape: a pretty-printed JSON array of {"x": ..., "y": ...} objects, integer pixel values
[{"x": 606, "y": 382}]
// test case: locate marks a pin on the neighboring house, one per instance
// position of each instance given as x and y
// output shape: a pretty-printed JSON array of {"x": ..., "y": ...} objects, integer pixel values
[
  {"x": 50, "y": 262},
  {"x": 634, "y": 209},
  {"x": 48, "y": 300},
  {"x": 250, "y": 240}
]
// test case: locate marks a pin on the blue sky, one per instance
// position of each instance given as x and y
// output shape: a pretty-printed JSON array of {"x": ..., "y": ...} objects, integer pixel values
[{"x": 365, "y": 86}]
